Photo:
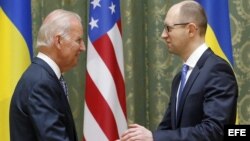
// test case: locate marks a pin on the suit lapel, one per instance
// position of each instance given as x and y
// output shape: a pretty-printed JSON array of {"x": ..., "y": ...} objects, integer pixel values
[
  {"x": 174, "y": 88},
  {"x": 186, "y": 90},
  {"x": 193, "y": 76}
]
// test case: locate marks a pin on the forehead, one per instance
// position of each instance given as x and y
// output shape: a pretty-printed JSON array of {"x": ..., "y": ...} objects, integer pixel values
[
  {"x": 76, "y": 26},
  {"x": 172, "y": 15}
]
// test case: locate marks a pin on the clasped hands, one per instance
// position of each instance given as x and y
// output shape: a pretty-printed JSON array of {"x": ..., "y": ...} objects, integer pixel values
[{"x": 136, "y": 132}]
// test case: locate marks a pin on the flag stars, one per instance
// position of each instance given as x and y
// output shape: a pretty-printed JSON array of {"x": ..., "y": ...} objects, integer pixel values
[
  {"x": 112, "y": 8},
  {"x": 93, "y": 23},
  {"x": 96, "y": 3}
]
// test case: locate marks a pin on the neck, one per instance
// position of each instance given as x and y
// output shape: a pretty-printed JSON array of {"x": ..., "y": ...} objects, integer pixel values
[{"x": 191, "y": 48}]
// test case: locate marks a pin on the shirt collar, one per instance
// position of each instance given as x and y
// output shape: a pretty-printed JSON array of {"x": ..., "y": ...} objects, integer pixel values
[
  {"x": 195, "y": 56},
  {"x": 51, "y": 63}
]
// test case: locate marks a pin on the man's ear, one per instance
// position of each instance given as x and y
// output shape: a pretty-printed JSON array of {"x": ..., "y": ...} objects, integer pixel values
[
  {"x": 192, "y": 29},
  {"x": 57, "y": 40}
]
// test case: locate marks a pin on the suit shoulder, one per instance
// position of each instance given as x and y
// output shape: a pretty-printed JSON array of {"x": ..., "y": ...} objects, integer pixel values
[
  {"x": 215, "y": 63},
  {"x": 215, "y": 59}
]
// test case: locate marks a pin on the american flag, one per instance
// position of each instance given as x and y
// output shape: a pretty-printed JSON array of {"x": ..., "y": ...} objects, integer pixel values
[{"x": 105, "y": 100}]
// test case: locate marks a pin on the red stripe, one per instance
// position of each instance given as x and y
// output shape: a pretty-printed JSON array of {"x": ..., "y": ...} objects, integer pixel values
[
  {"x": 119, "y": 24},
  {"x": 105, "y": 49},
  {"x": 100, "y": 110}
]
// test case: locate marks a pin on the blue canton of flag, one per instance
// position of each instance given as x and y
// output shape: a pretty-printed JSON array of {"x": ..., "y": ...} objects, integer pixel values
[{"x": 103, "y": 15}]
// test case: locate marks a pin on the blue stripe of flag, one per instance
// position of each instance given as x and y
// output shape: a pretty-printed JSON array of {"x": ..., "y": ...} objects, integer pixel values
[
  {"x": 19, "y": 12},
  {"x": 217, "y": 12}
]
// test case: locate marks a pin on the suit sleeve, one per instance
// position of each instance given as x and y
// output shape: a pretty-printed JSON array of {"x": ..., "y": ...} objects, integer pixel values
[{"x": 166, "y": 122}]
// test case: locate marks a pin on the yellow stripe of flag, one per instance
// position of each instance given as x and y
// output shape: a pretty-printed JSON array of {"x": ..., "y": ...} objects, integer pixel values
[{"x": 14, "y": 59}]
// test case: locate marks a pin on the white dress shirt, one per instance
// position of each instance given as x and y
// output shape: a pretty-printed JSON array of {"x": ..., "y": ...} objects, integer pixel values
[{"x": 191, "y": 62}]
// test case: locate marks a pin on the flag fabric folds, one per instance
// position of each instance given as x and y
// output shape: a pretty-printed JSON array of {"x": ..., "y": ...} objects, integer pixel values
[
  {"x": 105, "y": 100},
  {"x": 15, "y": 53},
  {"x": 218, "y": 36}
]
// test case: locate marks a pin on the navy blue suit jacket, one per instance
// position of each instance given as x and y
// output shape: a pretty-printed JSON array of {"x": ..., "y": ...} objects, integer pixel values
[
  {"x": 208, "y": 102},
  {"x": 39, "y": 109}
]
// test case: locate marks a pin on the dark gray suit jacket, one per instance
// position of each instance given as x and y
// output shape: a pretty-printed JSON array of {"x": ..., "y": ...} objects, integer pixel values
[
  {"x": 39, "y": 109},
  {"x": 209, "y": 102}
]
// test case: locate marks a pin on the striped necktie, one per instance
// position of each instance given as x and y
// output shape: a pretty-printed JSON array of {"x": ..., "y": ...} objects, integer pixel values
[{"x": 64, "y": 85}]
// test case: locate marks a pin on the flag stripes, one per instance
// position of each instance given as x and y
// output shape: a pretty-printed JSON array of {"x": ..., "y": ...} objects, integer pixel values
[
  {"x": 108, "y": 56},
  {"x": 105, "y": 100},
  {"x": 218, "y": 35},
  {"x": 94, "y": 100},
  {"x": 15, "y": 53},
  {"x": 91, "y": 126}
]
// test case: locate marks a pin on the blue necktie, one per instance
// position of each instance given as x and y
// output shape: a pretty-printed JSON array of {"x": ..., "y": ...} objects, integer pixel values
[
  {"x": 64, "y": 85},
  {"x": 183, "y": 80}
]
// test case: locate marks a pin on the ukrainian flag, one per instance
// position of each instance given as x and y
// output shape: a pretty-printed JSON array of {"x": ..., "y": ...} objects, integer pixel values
[
  {"x": 218, "y": 35},
  {"x": 15, "y": 53}
]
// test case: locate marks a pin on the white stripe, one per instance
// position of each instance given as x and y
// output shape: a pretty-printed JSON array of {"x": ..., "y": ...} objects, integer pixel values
[
  {"x": 103, "y": 79},
  {"x": 91, "y": 130},
  {"x": 116, "y": 39}
]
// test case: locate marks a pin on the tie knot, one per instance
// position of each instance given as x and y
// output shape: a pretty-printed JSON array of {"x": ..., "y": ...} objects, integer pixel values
[
  {"x": 185, "y": 68},
  {"x": 61, "y": 79}
]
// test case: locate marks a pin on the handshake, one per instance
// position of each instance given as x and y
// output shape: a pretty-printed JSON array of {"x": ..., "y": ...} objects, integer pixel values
[{"x": 136, "y": 132}]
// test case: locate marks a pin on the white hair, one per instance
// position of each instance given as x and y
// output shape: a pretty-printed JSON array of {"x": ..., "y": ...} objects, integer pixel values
[{"x": 56, "y": 23}]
